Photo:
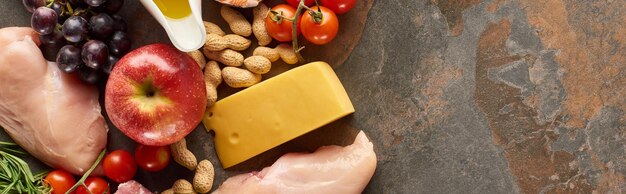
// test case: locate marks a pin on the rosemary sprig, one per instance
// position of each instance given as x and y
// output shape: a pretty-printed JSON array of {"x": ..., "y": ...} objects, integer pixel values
[{"x": 15, "y": 174}]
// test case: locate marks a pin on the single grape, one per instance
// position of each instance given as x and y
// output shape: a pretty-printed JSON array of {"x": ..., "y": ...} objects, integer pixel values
[
  {"x": 111, "y": 6},
  {"x": 109, "y": 66},
  {"x": 94, "y": 3},
  {"x": 75, "y": 28},
  {"x": 101, "y": 25},
  {"x": 89, "y": 75},
  {"x": 31, "y": 5},
  {"x": 119, "y": 44},
  {"x": 58, "y": 8},
  {"x": 95, "y": 54},
  {"x": 118, "y": 23},
  {"x": 68, "y": 58},
  {"x": 43, "y": 20},
  {"x": 56, "y": 37}
]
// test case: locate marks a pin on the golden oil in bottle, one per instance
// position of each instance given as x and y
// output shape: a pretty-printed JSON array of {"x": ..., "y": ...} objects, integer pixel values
[{"x": 175, "y": 9}]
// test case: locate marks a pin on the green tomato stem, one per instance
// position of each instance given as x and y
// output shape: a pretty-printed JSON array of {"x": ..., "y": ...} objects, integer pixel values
[
  {"x": 294, "y": 32},
  {"x": 307, "y": 7},
  {"x": 278, "y": 17},
  {"x": 81, "y": 181}
]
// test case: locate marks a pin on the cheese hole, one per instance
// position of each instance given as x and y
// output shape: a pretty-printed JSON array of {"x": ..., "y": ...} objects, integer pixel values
[{"x": 234, "y": 138}]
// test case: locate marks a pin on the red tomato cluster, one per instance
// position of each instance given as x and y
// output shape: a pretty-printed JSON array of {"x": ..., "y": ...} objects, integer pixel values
[
  {"x": 119, "y": 166},
  {"x": 317, "y": 30},
  {"x": 61, "y": 181}
]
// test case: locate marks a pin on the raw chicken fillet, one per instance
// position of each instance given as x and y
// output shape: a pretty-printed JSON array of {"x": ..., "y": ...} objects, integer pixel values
[
  {"x": 132, "y": 187},
  {"x": 330, "y": 169},
  {"x": 52, "y": 115},
  {"x": 240, "y": 3}
]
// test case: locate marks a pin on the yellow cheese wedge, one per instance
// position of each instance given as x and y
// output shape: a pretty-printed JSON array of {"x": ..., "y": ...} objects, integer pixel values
[{"x": 275, "y": 111}]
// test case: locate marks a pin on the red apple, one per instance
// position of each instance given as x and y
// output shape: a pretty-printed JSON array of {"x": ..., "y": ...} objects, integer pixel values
[{"x": 155, "y": 95}]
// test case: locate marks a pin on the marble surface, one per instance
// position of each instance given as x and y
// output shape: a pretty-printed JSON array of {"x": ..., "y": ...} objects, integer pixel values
[
  {"x": 473, "y": 96},
  {"x": 496, "y": 96}
]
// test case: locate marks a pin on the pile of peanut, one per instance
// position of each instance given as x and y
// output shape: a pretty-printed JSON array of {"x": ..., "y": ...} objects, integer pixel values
[
  {"x": 202, "y": 180},
  {"x": 238, "y": 71}
]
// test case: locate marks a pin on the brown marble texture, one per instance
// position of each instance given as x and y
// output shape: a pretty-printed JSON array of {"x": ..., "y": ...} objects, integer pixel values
[{"x": 468, "y": 96}]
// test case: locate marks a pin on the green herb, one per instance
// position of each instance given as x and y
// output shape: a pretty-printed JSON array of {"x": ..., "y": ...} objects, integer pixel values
[{"x": 15, "y": 174}]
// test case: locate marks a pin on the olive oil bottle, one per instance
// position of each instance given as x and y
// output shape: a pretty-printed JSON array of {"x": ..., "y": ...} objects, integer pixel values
[
  {"x": 181, "y": 20},
  {"x": 175, "y": 9}
]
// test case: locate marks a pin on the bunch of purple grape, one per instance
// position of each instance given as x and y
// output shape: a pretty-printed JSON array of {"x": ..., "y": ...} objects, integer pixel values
[{"x": 93, "y": 36}]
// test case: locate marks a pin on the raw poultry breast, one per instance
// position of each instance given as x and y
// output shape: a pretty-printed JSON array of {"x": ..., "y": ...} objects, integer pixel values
[
  {"x": 52, "y": 115},
  {"x": 240, "y": 3},
  {"x": 132, "y": 187},
  {"x": 328, "y": 170}
]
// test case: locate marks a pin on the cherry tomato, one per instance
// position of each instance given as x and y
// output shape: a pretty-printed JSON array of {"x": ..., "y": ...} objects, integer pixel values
[
  {"x": 322, "y": 32},
  {"x": 339, "y": 6},
  {"x": 119, "y": 166},
  {"x": 281, "y": 31},
  {"x": 61, "y": 181},
  {"x": 95, "y": 185},
  {"x": 152, "y": 158},
  {"x": 294, "y": 3}
]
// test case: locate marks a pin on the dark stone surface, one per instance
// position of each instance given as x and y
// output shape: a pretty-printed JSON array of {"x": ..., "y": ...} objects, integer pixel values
[{"x": 469, "y": 96}]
